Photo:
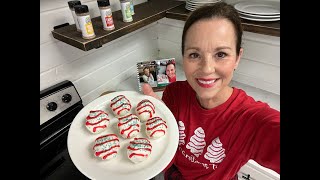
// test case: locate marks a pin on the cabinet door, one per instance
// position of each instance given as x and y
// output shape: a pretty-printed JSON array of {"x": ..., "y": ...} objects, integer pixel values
[{"x": 249, "y": 173}]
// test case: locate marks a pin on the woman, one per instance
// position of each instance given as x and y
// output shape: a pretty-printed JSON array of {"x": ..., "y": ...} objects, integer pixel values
[
  {"x": 171, "y": 72},
  {"x": 221, "y": 127},
  {"x": 147, "y": 76}
]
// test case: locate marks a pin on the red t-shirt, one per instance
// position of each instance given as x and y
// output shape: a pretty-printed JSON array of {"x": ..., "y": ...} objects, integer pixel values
[
  {"x": 216, "y": 143},
  {"x": 173, "y": 79}
]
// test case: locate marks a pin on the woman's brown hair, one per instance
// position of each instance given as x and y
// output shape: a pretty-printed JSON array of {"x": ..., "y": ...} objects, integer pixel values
[{"x": 218, "y": 10}]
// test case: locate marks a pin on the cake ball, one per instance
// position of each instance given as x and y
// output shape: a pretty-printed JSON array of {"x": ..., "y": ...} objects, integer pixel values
[
  {"x": 139, "y": 149},
  {"x": 145, "y": 110},
  {"x": 97, "y": 121},
  {"x": 120, "y": 105},
  {"x": 106, "y": 147},
  {"x": 156, "y": 127},
  {"x": 129, "y": 126}
]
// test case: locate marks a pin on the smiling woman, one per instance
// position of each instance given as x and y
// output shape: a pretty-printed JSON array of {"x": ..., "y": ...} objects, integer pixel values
[{"x": 220, "y": 126}]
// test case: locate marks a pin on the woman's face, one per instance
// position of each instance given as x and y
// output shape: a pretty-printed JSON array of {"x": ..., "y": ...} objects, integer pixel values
[
  {"x": 170, "y": 71},
  {"x": 146, "y": 72},
  {"x": 210, "y": 56}
]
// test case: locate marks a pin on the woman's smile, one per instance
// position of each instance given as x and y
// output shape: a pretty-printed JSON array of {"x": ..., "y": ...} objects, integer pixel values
[{"x": 206, "y": 82}]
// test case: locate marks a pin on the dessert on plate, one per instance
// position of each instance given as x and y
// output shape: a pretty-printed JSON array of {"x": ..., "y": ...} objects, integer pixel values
[
  {"x": 120, "y": 105},
  {"x": 97, "y": 121},
  {"x": 139, "y": 149},
  {"x": 106, "y": 146},
  {"x": 129, "y": 126},
  {"x": 156, "y": 127},
  {"x": 145, "y": 110}
]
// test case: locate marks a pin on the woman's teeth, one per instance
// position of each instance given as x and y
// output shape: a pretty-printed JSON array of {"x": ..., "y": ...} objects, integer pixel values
[{"x": 206, "y": 82}]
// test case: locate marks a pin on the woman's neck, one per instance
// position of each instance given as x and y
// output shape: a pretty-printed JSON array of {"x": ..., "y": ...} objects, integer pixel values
[{"x": 217, "y": 100}]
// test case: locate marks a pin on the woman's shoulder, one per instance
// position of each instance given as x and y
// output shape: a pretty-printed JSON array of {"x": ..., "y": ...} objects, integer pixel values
[{"x": 253, "y": 108}]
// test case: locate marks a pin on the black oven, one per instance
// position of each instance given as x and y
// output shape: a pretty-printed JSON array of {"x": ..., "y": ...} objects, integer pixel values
[{"x": 59, "y": 105}]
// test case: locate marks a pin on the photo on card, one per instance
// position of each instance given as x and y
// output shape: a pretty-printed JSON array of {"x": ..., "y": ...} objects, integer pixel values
[
  {"x": 158, "y": 73},
  {"x": 166, "y": 71},
  {"x": 147, "y": 73}
]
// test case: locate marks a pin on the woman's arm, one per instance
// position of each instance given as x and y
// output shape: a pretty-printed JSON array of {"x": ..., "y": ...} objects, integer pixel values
[{"x": 266, "y": 145}]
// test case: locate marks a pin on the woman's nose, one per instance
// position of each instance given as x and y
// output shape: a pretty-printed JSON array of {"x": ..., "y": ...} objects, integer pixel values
[{"x": 207, "y": 65}]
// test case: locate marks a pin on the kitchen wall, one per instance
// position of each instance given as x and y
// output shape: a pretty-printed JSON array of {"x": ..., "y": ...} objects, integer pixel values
[
  {"x": 99, "y": 70},
  {"x": 95, "y": 71}
]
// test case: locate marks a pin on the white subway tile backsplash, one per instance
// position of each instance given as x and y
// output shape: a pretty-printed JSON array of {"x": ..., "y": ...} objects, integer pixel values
[
  {"x": 169, "y": 49},
  {"x": 172, "y": 22},
  {"x": 259, "y": 71},
  {"x": 53, "y": 18},
  {"x": 103, "y": 74},
  {"x": 256, "y": 82},
  {"x": 55, "y": 53},
  {"x": 109, "y": 85},
  {"x": 102, "y": 57},
  {"x": 261, "y": 52},
  {"x": 170, "y": 33}
]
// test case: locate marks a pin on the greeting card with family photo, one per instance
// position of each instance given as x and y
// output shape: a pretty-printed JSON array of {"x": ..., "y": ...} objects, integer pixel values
[{"x": 158, "y": 73}]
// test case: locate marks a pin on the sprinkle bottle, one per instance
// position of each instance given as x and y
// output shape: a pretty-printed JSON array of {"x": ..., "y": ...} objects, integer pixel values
[
  {"x": 71, "y": 7},
  {"x": 132, "y": 7},
  {"x": 85, "y": 23},
  {"x": 126, "y": 10},
  {"x": 106, "y": 14}
]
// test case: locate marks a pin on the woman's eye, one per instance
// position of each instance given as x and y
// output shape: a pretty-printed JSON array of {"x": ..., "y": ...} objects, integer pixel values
[
  {"x": 193, "y": 55},
  {"x": 221, "y": 54}
]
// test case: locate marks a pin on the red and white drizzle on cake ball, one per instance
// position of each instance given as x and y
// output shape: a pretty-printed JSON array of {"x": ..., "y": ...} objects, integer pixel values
[
  {"x": 139, "y": 149},
  {"x": 97, "y": 121},
  {"x": 129, "y": 126},
  {"x": 120, "y": 105},
  {"x": 156, "y": 127},
  {"x": 145, "y": 110},
  {"x": 106, "y": 147}
]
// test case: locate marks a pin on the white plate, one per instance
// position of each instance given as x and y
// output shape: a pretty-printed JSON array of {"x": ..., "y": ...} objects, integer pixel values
[
  {"x": 81, "y": 141},
  {"x": 260, "y": 19},
  {"x": 259, "y": 8},
  {"x": 258, "y": 16}
]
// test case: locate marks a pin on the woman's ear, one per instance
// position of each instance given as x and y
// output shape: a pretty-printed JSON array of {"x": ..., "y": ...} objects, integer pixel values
[{"x": 238, "y": 58}]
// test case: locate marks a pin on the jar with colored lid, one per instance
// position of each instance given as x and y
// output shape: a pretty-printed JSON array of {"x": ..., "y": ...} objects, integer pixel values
[
  {"x": 126, "y": 10},
  {"x": 85, "y": 23},
  {"x": 71, "y": 5},
  {"x": 106, "y": 14}
]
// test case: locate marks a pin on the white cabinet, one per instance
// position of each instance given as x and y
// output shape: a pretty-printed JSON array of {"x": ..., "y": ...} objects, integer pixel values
[{"x": 253, "y": 171}]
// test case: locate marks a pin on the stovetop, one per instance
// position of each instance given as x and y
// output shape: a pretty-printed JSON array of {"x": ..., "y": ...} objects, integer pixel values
[{"x": 59, "y": 105}]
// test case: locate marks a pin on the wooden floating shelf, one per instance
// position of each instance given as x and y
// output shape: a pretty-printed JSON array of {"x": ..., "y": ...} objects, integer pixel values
[{"x": 145, "y": 13}]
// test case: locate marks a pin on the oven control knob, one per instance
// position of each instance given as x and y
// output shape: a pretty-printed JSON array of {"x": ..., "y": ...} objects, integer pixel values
[
  {"x": 66, "y": 98},
  {"x": 52, "y": 106}
]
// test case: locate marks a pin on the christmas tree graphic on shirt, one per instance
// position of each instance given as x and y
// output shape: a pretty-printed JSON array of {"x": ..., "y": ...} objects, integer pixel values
[
  {"x": 215, "y": 152},
  {"x": 197, "y": 142},
  {"x": 182, "y": 135}
]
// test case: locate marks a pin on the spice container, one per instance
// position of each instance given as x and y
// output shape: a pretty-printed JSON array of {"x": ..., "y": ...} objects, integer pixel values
[
  {"x": 71, "y": 7},
  {"x": 132, "y": 7},
  {"x": 106, "y": 14},
  {"x": 85, "y": 23},
  {"x": 126, "y": 10}
]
